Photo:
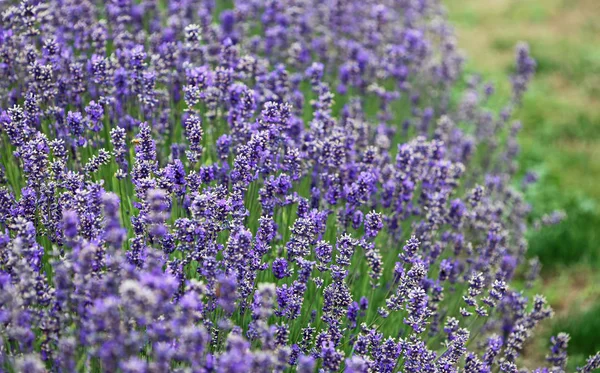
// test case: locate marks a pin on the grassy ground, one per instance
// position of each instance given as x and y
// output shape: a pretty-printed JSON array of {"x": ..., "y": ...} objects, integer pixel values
[{"x": 560, "y": 140}]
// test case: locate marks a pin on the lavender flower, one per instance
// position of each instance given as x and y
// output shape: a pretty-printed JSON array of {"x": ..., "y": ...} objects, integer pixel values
[{"x": 191, "y": 187}]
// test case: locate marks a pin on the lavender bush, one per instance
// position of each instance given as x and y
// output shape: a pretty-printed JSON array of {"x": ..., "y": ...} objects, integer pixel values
[{"x": 257, "y": 185}]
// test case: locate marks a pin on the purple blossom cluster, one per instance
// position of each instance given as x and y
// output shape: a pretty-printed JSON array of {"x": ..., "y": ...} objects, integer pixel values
[{"x": 265, "y": 185}]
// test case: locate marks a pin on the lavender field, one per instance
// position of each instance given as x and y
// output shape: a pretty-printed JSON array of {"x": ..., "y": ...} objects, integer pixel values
[{"x": 269, "y": 186}]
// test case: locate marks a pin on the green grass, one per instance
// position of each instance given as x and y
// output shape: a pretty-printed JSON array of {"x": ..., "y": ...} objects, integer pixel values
[
  {"x": 583, "y": 328},
  {"x": 561, "y": 133},
  {"x": 570, "y": 241},
  {"x": 560, "y": 141}
]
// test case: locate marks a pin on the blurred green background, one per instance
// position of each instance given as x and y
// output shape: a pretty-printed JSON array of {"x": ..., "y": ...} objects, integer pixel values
[{"x": 560, "y": 141}]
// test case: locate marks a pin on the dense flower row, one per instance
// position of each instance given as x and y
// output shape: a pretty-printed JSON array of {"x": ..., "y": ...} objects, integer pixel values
[{"x": 257, "y": 185}]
